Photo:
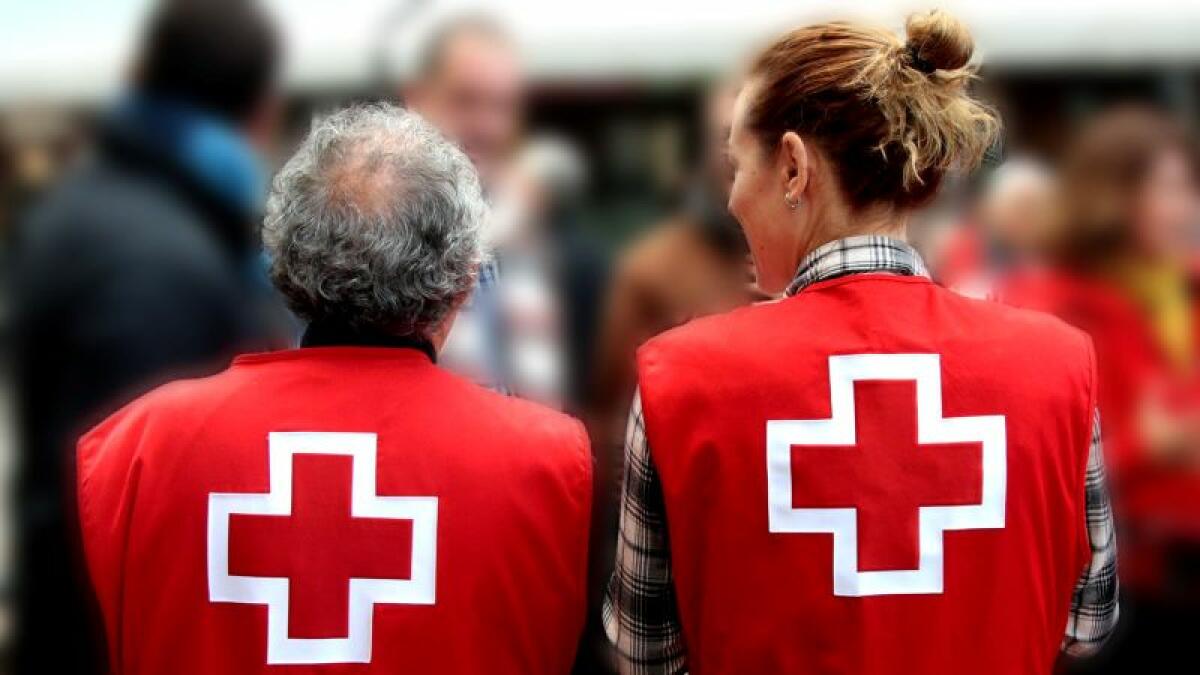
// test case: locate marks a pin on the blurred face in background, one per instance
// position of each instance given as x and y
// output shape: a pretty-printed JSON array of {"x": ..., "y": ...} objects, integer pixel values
[
  {"x": 1129, "y": 189},
  {"x": 472, "y": 92},
  {"x": 1166, "y": 208},
  {"x": 1018, "y": 208}
]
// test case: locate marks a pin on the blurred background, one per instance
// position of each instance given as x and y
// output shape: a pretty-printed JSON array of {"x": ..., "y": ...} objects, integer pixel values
[{"x": 598, "y": 131}]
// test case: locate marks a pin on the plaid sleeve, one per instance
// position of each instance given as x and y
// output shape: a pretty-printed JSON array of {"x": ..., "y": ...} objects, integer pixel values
[
  {"x": 1094, "y": 609},
  {"x": 640, "y": 616}
]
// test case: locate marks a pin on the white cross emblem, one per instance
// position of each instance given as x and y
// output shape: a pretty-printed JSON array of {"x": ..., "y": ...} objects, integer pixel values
[
  {"x": 839, "y": 430},
  {"x": 364, "y": 594}
]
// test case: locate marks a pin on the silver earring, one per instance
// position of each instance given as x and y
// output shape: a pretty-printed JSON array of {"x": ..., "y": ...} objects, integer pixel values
[{"x": 792, "y": 202}]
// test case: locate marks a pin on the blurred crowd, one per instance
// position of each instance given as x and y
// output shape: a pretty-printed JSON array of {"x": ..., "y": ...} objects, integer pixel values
[{"x": 132, "y": 257}]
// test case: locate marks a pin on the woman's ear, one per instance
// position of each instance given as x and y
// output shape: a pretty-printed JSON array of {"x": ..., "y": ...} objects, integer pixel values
[{"x": 795, "y": 160}]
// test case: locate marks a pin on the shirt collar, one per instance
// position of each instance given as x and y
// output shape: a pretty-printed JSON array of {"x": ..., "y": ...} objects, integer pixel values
[
  {"x": 856, "y": 255},
  {"x": 327, "y": 334}
]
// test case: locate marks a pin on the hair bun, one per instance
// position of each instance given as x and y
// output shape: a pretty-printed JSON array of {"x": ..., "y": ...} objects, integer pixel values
[{"x": 938, "y": 41}]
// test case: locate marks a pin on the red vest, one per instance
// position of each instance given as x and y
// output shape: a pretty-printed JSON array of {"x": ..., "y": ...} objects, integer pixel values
[
  {"x": 337, "y": 505},
  {"x": 874, "y": 476}
]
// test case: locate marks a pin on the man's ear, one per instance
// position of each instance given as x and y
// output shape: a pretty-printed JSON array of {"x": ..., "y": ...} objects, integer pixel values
[
  {"x": 440, "y": 332},
  {"x": 795, "y": 164}
]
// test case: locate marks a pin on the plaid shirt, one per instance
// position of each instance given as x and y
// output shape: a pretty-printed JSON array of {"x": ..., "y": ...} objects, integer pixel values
[{"x": 640, "y": 613}]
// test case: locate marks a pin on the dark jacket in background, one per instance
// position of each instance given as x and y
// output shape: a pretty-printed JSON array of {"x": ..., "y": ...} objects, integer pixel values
[{"x": 136, "y": 269}]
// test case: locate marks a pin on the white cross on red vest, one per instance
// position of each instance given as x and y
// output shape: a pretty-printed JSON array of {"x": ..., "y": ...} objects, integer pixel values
[
  {"x": 322, "y": 504},
  {"x": 885, "y": 482}
]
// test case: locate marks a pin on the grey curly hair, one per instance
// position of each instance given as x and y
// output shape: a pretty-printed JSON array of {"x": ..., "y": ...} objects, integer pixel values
[{"x": 375, "y": 223}]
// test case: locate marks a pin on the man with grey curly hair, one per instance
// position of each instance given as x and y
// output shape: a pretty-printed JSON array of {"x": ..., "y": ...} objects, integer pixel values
[
  {"x": 374, "y": 224},
  {"x": 347, "y": 501}
]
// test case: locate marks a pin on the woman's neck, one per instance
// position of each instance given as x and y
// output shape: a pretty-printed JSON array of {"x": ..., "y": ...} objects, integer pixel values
[{"x": 840, "y": 222}]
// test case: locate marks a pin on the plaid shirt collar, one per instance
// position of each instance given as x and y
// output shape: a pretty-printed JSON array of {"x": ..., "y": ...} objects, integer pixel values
[{"x": 855, "y": 255}]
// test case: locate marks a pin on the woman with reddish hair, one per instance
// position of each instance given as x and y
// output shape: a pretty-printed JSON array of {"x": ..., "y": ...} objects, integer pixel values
[{"x": 874, "y": 474}]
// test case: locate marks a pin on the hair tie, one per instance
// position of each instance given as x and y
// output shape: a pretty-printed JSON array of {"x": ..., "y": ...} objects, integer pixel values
[{"x": 914, "y": 58}]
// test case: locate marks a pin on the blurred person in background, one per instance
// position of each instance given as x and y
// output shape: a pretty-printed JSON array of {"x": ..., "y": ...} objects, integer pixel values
[
  {"x": 554, "y": 273},
  {"x": 139, "y": 266},
  {"x": 1125, "y": 271},
  {"x": 447, "y": 534},
  {"x": 534, "y": 339},
  {"x": 1004, "y": 231},
  {"x": 37, "y": 143},
  {"x": 531, "y": 334},
  {"x": 470, "y": 85},
  {"x": 874, "y": 474},
  {"x": 692, "y": 264}
]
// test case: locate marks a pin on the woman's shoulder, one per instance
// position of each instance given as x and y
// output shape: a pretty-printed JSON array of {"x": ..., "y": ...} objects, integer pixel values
[
  {"x": 711, "y": 339},
  {"x": 998, "y": 326}
]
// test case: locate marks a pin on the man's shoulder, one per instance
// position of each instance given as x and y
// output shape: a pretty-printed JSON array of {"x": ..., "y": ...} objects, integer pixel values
[
  {"x": 131, "y": 435},
  {"x": 251, "y": 373},
  {"x": 177, "y": 400},
  {"x": 510, "y": 417}
]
